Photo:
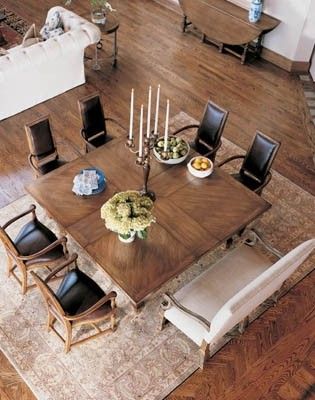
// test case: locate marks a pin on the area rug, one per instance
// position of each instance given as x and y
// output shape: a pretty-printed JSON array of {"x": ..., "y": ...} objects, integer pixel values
[
  {"x": 14, "y": 21},
  {"x": 138, "y": 361},
  {"x": 12, "y": 28}
]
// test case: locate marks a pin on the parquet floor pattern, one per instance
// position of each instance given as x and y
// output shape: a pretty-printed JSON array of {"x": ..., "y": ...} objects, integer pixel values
[{"x": 274, "y": 359}]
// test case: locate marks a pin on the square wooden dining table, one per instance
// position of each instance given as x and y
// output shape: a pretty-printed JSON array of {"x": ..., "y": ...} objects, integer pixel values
[{"x": 193, "y": 216}]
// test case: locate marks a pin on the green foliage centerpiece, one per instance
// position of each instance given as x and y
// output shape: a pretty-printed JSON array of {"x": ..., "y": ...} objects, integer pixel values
[{"x": 128, "y": 214}]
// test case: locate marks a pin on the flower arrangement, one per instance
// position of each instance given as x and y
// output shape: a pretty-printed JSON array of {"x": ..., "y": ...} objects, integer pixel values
[
  {"x": 96, "y": 3},
  {"x": 128, "y": 212}
]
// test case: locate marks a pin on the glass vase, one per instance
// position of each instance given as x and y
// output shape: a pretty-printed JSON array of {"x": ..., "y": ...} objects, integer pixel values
[{"x": 98, "y": 15}]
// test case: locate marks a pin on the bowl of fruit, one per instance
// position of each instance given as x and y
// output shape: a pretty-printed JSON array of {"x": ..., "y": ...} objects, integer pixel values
[
  {"x": 201, "y": 167},
  {"x": 177, "y": 150}
]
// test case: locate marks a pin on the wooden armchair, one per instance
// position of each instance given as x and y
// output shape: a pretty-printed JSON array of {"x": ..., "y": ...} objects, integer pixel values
[
  {"x": 78, "y": 301},
  {"x": 222, "y": 297},
  {"x": 43, "y": 156},
  {"x": 35, "y": 246},
  {"x": 209, "y": 132},
  {"x": 94, "y": 130},
  {"x": 255, "y": 169}
]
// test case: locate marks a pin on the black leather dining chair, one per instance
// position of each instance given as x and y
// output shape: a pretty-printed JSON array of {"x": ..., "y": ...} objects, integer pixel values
[
  {"x": 78, "y": 301},
  {"x": 208, "y": 137},
  {"x": 43, "y": 156},
  {"x": 255, "y": 169},
  {"x": 34, "y": 247},
  {"x": 94, "y": 130}
]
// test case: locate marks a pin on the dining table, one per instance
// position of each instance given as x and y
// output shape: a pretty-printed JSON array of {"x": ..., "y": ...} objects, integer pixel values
[{"x": 193, "y": 216}]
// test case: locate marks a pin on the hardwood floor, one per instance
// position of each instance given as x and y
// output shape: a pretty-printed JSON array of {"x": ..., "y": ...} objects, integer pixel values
[{"x": 274, "y": 359}]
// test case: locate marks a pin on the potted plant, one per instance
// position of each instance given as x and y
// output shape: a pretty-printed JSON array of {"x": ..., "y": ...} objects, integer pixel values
[
  {"x": 128, "y": 214},
  {"x": 98, "y": 10}
]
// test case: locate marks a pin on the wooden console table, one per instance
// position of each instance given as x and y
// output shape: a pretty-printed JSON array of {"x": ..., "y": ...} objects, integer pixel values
[{"x": 226, "y": 25}]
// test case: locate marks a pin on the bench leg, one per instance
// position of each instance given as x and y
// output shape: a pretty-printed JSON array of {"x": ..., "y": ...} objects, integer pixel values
[{"x": 204, "y": 352}]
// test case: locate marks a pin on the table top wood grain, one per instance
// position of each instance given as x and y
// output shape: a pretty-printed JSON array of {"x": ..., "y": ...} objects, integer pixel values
[{"x": 193, "y": 216}]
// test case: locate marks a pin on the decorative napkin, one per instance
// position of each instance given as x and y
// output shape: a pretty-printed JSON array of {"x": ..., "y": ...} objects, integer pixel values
[{"x": 85, "y": 182}]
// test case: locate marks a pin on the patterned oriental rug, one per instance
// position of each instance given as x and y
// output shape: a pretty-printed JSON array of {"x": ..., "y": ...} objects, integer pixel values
[
  {"x": 138, "y": 361},
  {"x": 12, "y": 28}
]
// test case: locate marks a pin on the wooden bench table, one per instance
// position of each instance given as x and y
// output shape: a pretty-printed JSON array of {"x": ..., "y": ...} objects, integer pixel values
[
  {"x": 193, "y": 216},
  {"x": 226, "y": 25}
]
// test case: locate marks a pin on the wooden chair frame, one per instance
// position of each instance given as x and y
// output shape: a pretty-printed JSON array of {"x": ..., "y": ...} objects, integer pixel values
[
  {"x": 88, "y": 145},
  {"x": 212, "y": 151},
  {"x": 56, "y": 312},
  {"x": 33, "y": 160},
  {"x": 18, "y": 261},
  {"x": 268, "y": 176}
]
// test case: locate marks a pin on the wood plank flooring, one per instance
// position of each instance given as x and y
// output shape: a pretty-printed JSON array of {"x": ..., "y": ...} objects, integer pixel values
[{"x": 274, "y": 359}]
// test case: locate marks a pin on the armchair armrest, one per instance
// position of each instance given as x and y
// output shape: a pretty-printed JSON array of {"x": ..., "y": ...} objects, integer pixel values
[
  {"x": 110, "y": 296},
  {"x": 169, "y": 301},
  {"x": 265, "y": 183},
  {"x": 30, "y": 210},
  {"x": 61, "y": 241},
  {"x": 65, "y": 264},
  {"x": 184, "y": 128},
  {"x": 230, "y": 159},
  {"x": 214, "y": 150},
  {"x": 264, "y": 242},
  {"x": 82, "y": 135}
]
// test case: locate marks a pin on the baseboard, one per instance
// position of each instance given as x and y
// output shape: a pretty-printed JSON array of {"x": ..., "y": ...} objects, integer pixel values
[
  {"x": 285, "y": 63},
  {"x": 300, "y": 66}
]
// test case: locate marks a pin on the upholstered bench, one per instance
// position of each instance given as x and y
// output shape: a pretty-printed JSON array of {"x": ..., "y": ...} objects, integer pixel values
[{"x": 225, "y": 294}]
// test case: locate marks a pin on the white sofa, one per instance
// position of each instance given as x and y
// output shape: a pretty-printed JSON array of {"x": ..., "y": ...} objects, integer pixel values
[
  {"x": 225, "y": 294},
  {"x": 31, "y": 75}
]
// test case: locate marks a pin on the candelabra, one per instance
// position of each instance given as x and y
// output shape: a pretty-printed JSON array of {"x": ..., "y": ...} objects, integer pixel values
[
  {"x": 144, "y": 160},
  {"x": 146, "y": 144}
]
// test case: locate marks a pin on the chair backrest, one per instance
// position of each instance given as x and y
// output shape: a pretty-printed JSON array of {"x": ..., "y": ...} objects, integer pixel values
[
  {"x": 48, "y": 295},
  {"x": 40, "y": 140},
  {"x": 259, "y": 290},
  {"x": 212, "y": 124},
  {"x": 92, "y": 115},
  {"x": 260, "y": 156}
]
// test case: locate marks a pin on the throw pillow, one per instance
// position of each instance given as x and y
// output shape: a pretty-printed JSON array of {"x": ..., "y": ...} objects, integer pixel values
[
  {"x": 30, "y": 37},
  {"x": 53, "y": 26},
  {"x": 54, "y": 21}
]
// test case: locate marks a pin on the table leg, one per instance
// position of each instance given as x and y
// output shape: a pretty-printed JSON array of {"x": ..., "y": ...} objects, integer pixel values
[
  {"x": 96, "y": 66},
  {"x": 115, "y": 50}
]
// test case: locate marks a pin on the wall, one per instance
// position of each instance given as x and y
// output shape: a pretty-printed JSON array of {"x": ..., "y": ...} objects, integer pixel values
[{"x": 294, "y": 38}]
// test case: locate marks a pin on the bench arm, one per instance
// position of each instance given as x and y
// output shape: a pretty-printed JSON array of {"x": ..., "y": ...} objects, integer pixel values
[
  {"x": 169, "y": 301},
  {"x": 258, "y": 237}
]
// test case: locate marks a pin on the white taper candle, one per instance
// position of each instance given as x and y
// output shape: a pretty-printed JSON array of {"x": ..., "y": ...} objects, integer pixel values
[
  {"x": 157, "y": 110},
  {"x": 166, "y": 124},
  {"x": 149, "y": 113},
  {"x": 141, "y": 131},
  {"x": 131, "y": 114}
]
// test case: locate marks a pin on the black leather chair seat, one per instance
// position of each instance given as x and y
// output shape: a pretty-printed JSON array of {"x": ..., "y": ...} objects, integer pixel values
[
  {"x": 44, "y": 169},
  {"x": 34, "y": 237},
  {"x": 201, "y": 148},
  {"x": 98, "y": 141},
  {"x": 78, "y": 292},
  {"x": 247, "y": 181}
]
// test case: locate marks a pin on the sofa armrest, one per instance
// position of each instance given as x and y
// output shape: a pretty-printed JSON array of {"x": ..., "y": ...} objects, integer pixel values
[
  {"x": 73, "y": 22},
  {"x": 170, "y": 301}
]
